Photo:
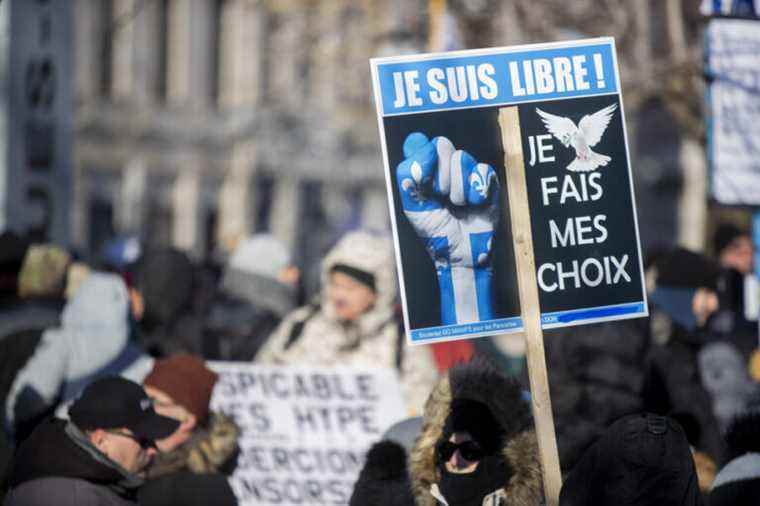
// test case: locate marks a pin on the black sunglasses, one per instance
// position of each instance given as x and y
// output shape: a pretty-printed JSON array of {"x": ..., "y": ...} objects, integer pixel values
[
  {"x": 144, "y": 443},
  {"x": 470, "y": 450}
]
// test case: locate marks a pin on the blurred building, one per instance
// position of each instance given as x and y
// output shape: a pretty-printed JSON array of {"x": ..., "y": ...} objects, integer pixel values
[
  {"x": 199, "y": 121},
  {"x": 36, "y": 118}
]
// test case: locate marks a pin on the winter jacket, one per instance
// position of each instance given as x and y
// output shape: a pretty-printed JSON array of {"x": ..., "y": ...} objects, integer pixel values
[
  {"x": 478, "y": 381},
  {"x": 56, "y": 464},
  {"x": 313, "y": 334},
  {"x": 187, "y": 489},
  {"x": 20, "y": 315},
  {"x": 724, "y": 375},
  {"x": 92, "y": 341},
  {"x": 170, "y": 286},
  {"x": 673, "y": 386},
  {"x": 596, "y": 375},
  {"x": 208, "y": 450},
  {"x": 247, "y": 310},
  {"x": 642, "y": 460}
]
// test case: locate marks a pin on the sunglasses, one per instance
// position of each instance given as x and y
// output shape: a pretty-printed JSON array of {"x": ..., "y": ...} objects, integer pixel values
[
  {"x": 144, "y": 443},
  {"x": 470, "y": 450}
]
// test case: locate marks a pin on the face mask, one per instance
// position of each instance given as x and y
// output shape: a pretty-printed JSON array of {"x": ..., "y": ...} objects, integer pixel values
[{"x": 470, "y": 489}]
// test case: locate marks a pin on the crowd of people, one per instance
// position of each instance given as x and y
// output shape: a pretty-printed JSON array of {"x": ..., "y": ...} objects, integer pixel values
[{"x": 105, "y": 391}]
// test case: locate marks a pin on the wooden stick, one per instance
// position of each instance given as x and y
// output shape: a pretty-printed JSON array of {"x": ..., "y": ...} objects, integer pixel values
[{"x": 522, "y": 237}]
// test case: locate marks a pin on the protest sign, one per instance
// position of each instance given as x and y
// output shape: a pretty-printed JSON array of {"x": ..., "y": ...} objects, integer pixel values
[
  {"x": 305, "y": 430},
  {"x": 733, "y": 67},
  {"x": 444, "y": 161},
  {"x": 545, "y": 122}
]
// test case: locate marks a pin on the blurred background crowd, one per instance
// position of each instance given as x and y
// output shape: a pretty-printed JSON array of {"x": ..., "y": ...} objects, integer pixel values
[{"x": 192, "y": 180}]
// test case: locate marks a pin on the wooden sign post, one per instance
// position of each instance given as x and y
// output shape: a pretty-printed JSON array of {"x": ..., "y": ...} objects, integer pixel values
[{"x": 509, "y": 122}]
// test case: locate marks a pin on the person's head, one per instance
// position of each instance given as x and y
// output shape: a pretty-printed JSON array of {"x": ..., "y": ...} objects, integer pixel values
[
  {"x": 162, "y": 286},
  {"x": 264, "y": 255},
  {"x": 181, "y": 388},
  {"x": 43, "y": 273},
  {"x": 734, "y": 249},
  {"x": 119, "y": 419},
  {"x": 476, "y": 441},
  {"x": 384, "y": 479},
  {"x": 358, "y": 277},
  {"x": 642, "y": 459},
  {"x": 471, "y": 433},
  {"x": 350, "y": 291}
]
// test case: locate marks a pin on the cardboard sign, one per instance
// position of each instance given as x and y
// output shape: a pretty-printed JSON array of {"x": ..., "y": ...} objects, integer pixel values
[
  {"x": 305, "y": 430},
  {"x": 733, "y": 64},
  {"x": 444, "y": 161}
]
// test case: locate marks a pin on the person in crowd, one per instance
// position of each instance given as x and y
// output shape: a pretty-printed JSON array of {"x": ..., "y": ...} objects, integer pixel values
[
  {"x": 192, "y": 462},
  {"x": 733, "y": 249},
  {"x": 257, "y": 290},
  {"x": 734, "y": 252},
  {"x": 738, "y": 482},
  {"x": 40, "y": 290},
  {"x": 98, "y": 457},
  {"x": 31, "y": 298},
  {"x": 683, "y": 304},
  {"x": 724, "y": 375},
  {"x": 384, "y": 479},
  {"x": 477, "y": 445},
  {"x": 205, "y": 442},
  {"x": 642, "y": 459},
  {"x": 93, "y": 340},
  {"x": 162, "y": 288},
  {"x": 354, "y": 321},
  {"x": 597, "y": 376}
]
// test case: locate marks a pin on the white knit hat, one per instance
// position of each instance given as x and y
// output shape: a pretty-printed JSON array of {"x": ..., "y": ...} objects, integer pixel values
[{"x": 260, "y": 254}]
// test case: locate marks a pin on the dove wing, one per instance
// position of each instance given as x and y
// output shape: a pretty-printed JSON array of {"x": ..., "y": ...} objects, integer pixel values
[
  {"x": 592, "y": 126},
  {"x": 558, "y": 126}
]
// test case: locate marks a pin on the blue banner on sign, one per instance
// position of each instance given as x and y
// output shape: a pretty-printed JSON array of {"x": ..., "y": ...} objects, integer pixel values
[
  {"x": 587, "y": 315},
  {"x": 491, "y": 327},
  {"x": 493, "y": 79}
]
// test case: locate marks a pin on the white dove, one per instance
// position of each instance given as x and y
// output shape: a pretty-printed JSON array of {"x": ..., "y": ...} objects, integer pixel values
[{"x": 587, "y": 134}]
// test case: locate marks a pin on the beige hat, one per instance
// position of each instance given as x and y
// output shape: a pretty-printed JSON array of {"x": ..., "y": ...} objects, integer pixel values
[{"x": 43, "y": 273}]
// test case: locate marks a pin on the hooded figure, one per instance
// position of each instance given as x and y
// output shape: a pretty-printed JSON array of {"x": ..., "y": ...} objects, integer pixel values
[
  {"x": 641, "y": 460},
  {"x": 93, "y": 341},
  {"x": 477, "y": 445},
  {"x": 384, "y": 479},
  {"x": 354, "y": 322},
  {"x": 165, "y": 280}
]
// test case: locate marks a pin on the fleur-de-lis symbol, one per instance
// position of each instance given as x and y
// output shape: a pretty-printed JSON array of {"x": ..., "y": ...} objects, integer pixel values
[
  {"x": 483, "y": 257},
  {"x": 413, "y": 186},
  {"x": 480, "y": 179}
]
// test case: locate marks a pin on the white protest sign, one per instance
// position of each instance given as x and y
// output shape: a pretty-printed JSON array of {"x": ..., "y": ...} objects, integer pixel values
[
  {"x": 304, "y": 429},
  {"x": 733, "y": 61}
]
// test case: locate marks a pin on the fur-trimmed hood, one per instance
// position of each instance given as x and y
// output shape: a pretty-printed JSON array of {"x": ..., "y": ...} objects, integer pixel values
[
  {"x": 479, "y": 381},
  {"x": 209, "y": 450},
  {"x": 371, "y": 253}
]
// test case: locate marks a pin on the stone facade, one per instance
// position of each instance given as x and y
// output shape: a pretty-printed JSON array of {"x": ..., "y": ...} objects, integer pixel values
[{"x": 200, "y": 121}]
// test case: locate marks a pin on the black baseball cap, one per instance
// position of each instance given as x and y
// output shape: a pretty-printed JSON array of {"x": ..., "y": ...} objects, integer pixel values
[{"x": 113, "y": 402}]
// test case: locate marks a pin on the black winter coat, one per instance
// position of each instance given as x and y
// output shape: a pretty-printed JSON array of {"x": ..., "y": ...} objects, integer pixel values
[
  {"x": 596, "y": 375},
  {"x": 49, "y": 464}
]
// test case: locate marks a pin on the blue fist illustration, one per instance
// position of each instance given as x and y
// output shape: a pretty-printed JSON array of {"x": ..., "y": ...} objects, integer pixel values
[{"x": 452, "y": 201}]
